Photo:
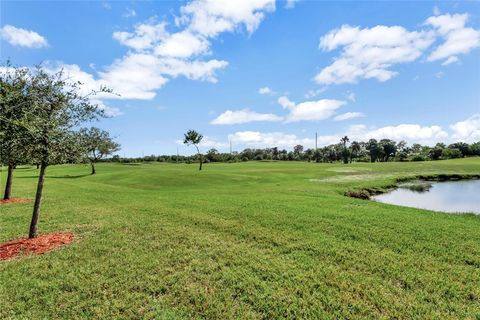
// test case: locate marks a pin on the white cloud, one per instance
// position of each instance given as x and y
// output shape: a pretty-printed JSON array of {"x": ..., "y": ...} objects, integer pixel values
[
  {"x": 458, "y": 38},
  {"x": 182, "y": 45},
  {"x": 314, "y": 110},
  {"x": 291, "y": 4},
  {"x": 310, "y": 110},
  {"x": 268, "y": 139},
  {"x": 159, "y": 56},
  {"x": 211, "y": 17},
  {"x": 135, "y": 76},
  {"x": 266, "y": 90},
  {"x": 22, "y": 37},
  {"x": 348, "y": 116},
  {"x": 467, "y": 130},
  {"x": 145, "y": 35},
  {"x": 244, "y": 116},
  {"x": 139, "y": 75},
  {"x": 436, "y": 11},
  {"x": 370, "y": 52},
  {"x": 285, "y": 102},
  {"x": 439, "y": 74},
  {"x": 192, "y": 69}
]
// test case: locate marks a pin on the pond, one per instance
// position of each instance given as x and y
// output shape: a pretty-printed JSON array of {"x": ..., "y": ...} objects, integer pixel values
[{"x": 451, "y": 196}]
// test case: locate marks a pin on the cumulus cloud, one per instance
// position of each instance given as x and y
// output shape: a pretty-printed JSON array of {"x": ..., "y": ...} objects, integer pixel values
[
  {"x": 244, "y": 116},
  {"x": 182, "y": 45},
  {"x": 467, "y": 130},
  {"x": 310, "y": 110},
  {"x": 371, "y": 53},
  {"x": 285, "y": 102},
  {"x": 458, "y": 38},
  {"x": 158, "y": 56},
  {"x": 22, "y": 37},
  {"x": 145, "y": 35},
  {"x": 212, "y": 17},
  {"x": 348, "y": 116}
]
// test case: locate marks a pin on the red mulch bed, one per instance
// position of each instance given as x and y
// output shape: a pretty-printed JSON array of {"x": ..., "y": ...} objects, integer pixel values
[
  {"x": 14, "y": 200},
  {"x": 38, "y": 245}
]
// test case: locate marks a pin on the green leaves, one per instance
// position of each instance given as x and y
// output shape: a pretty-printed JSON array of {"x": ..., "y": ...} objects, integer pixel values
[
  {"x": 96, "y": 143},
  {"x": 192, "y": 137}
]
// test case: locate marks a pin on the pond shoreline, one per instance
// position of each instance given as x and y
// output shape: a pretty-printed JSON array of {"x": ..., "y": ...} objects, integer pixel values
[{"x": 367, "y": 193}]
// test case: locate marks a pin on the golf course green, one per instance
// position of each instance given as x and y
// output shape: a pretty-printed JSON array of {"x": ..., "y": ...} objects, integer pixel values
[{"x": 250, "y": 240}]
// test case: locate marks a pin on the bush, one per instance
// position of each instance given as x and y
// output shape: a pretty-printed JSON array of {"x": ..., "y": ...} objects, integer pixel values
[{"x": 418, "y": 157}]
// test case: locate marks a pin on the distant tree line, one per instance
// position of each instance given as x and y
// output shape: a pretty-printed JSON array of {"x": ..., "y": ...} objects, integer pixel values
[{"x": 373, "y": 150}]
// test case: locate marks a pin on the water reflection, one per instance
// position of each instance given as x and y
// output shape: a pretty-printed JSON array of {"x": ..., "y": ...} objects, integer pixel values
[{"x": 451, "y": 196}]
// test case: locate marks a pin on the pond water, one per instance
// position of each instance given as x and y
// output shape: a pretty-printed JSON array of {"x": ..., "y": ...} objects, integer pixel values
[{"x": 450, "y": 196}]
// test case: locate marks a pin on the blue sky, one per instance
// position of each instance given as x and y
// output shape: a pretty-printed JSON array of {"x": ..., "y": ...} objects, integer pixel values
[{"x": 262, "y": 73}]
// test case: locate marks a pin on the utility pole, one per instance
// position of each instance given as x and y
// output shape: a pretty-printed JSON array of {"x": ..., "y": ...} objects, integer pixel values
[
  {"x": 230, "y": 147},
  {"x": 177, "y": 154},
  {"x": 316, "y": 147}
]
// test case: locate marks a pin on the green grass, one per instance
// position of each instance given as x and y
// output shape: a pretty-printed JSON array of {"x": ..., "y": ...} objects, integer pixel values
[{"x": 240, "y": 241}]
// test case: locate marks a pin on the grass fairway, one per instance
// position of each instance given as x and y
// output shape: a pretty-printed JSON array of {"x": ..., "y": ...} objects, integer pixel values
[{"x": 250, "y": 240}]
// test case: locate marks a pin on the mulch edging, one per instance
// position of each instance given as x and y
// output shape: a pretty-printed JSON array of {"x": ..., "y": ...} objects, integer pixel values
[{"x": 38, "y": 245}]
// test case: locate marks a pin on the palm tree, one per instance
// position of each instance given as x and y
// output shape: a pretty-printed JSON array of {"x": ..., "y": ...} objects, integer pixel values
[
  {"x": 194, "y": 138},
  {"x": 345, "y": 140}
]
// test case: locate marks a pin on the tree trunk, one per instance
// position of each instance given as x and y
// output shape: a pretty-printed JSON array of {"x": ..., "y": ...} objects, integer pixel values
[
  {"x": 93, "y": 168},
  {"x": 201, "y": 160},
  {"x": 38, "y": 200},
  {"x": 8, "y": 185},
  {"x": 38, "y": 166}
]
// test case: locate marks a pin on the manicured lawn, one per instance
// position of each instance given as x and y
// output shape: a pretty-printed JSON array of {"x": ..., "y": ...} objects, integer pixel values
[{"x": 241, "y": 241}]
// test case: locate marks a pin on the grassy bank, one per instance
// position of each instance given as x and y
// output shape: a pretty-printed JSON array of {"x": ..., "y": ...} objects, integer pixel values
[{"x": 242, "y": 240}]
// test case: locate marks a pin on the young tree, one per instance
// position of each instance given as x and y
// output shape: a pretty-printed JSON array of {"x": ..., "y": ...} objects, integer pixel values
[
  {"x": 14, "y": 105},
  {"x": 96, "y": 144},
  {"x": 192, "y": 137},
  {"x": 57, "y": 106}
]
